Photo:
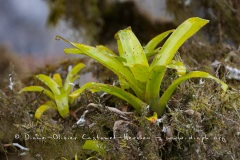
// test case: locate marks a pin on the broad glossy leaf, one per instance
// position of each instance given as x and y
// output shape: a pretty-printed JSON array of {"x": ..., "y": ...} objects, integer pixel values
[
  {"x": 131, "y": 48},
  {"x": 113, "y": 90},
  {"x": 50, "y": 83},
  {"x": 58, "y": 79},
  {"x": 43, "y": 108},
  {"x": 176, "y": 39},
  {"x": 38, "y": 89},
  {"x": 95, "y": 145},
  {"x": 72, "y": 76},
  {"x": 168, "y": 93},
  {"x": 152, "y": 44}
]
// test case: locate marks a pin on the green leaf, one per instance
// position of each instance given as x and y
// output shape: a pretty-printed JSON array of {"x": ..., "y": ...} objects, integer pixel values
[
  {"x": 71, "y": 76},
  {"x": 62, "y": 104},
  {"x": 72, "y": 51},
  {"x": 153, "y": 86},
  {"x": 179, "y": 66},
  {"x": 132, "y": 49},
  {"x": 37, "y": 89},
  {"x": 123, "y": 83},
  {"x": 140, "y": 72},
  {"x": 168, "y": 93},
  {"x": 110, "y": 62},
  {"x": 58, "y": 79},
  {"x": 75, "y": 70},
  {"x": 101, "y": 47},
  {"x": 43, "y": 108},
  {"x": 176, "y": 39},
  {"x": 95, "y": 145},
  {"x": 120, "y": 48},
  {"x": 113, "y": 90},
  {"x": 149, "y": 54},
  {"x": 152, "y": 44},
  {"x": 50, "y": 83}
]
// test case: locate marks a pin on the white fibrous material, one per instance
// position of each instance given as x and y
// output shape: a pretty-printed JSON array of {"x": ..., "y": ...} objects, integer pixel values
[
  {"x": 10, "y": 82},
  {"x": 233, "y": 73}
]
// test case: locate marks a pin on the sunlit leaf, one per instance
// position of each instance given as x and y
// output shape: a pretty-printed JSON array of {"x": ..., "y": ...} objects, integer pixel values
[
  {"x": 152, "y": 44},
  {"x": 113, "y": 90},
  {"x": 140, "y": 72},
  {"x": 43, "y": 108},
  {"x": 58, "y": 79},
  {"x": 58, "y": 93},
  {"x": 153, "y": 86},
  {"x": 110, "y": 62},
  {"x": 149, "y": 54},
  {"x": 38, "y": 89},
  {"x": 131, "y": 48},
  {"x": 106, "y": 49},
  {"x": 132, "y": 68},
  {"x": 132, "y": 51},
  {"x": 50, "y": 83},
  {"x": 62, "y": 104},
  {"x": 71, "y": 76},
  {"x": 176, "y": 39}
]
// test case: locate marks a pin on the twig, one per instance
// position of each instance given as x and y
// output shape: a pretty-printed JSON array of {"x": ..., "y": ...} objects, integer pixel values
[
  {"x": 16, "y": 145},
  {"x": 115, "y": 110}
]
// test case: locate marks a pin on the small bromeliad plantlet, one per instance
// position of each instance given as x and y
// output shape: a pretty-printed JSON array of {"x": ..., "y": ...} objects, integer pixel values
[
  {"x": 134, "y": 71},
  {"x": 58, "y": 93}
]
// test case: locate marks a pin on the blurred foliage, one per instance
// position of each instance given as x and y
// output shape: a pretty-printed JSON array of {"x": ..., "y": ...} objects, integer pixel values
[
  {"x": 77, "y": 13},
  {"x": 224, "y": 16},
  {"x": 98, "y": 20},
  {"x": 6, "y": 62}
]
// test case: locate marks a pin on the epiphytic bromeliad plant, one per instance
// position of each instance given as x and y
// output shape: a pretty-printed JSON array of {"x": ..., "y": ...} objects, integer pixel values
[
  {"x": 134, "y": 71},
  {"x": 58, "y": 93}
]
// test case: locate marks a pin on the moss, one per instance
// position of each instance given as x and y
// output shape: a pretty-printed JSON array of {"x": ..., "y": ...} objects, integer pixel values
[
  {"x": 208, "y": 126},
  {"x": 200, "y": 122}
]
